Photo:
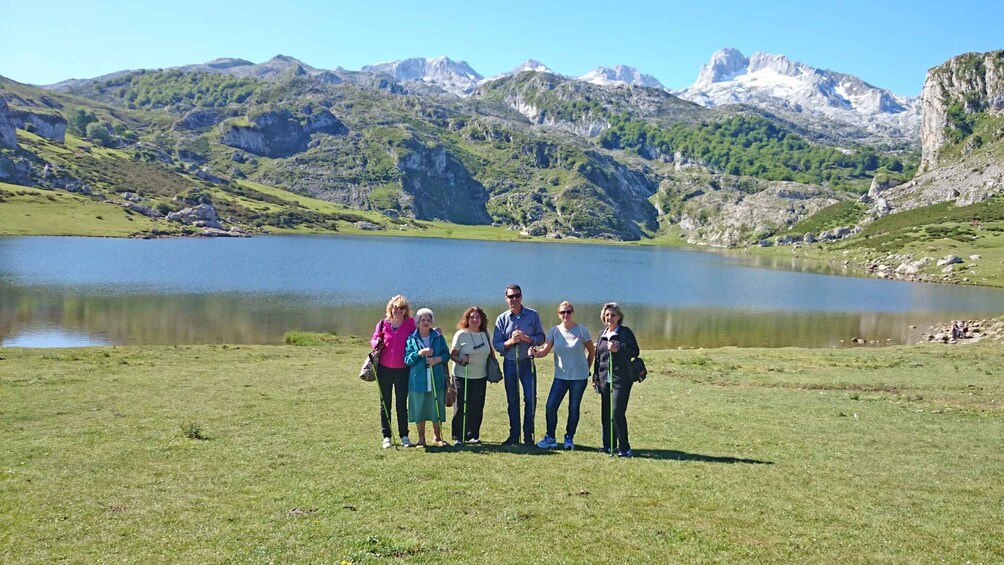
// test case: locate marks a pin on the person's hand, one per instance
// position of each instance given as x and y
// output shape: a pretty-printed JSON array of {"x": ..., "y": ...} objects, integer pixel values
[
  {"x": 615, "y": 346},
  {"x": 466, "y": 359},
  {"x": 425, "y": 352},
  {"x": 517, "y": 336},
  {"x": 533, "y": 351}
]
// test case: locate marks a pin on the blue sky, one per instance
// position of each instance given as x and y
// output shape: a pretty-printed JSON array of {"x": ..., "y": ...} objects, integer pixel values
[{"x": 889, "y": 43}]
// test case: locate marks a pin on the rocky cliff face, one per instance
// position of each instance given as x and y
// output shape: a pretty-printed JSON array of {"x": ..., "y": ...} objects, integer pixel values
[
  {"x": 8, "y": 133},
  {"x": 280, "y": 133},
  {"x": 969, "y": 83},
  {"x": 438, "y": 187},
  {"x": 49, "y": 126},
  {"x": 724, "y": 214}
]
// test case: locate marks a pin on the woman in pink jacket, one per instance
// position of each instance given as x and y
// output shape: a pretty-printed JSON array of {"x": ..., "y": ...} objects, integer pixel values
[{"x": 393, "y": 332}]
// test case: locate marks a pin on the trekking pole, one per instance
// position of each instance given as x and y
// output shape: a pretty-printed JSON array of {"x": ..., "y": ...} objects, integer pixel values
[
  {"x": 385, "y": 407},
  {"x": 435, "y": 397},
  {"x": 533, "y": 375},
  {"x": 466, "y": 386},
  {"x": 519, "y": 383},
  {"x": 610, "y": 390}
]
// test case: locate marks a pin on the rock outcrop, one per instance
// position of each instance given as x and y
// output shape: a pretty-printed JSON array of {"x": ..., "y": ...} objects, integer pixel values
[
  {"x": 969, "y": 83},
  {"x": 50, "y": 126},
  {"x": 8, "y": 129},
  {"x": 203, "y": 216},
  {"x": 438, "y": 187},
  {"x": 280, "y": 133},
  {"x": 725, "y": 216}
]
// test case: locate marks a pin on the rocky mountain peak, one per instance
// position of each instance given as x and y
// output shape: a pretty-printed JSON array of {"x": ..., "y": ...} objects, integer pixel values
[
  {"x": 806, "y": 95},
  {"x": 454, "y": 76},
  {"x": 531, "y": 65},
  {"x": 779, "y": 64},
  {"x": 724, "y": 65},
  {"x": 224, "y": 63},
  {"x": 620, "y": 74}
]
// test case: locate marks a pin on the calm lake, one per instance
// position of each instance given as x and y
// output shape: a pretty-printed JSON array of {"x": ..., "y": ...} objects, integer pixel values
[{"x": 68, "y": 291}]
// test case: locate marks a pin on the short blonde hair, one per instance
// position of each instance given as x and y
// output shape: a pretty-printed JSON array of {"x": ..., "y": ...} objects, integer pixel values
[
  {"x": 617, "y": 310},
  {"x": 401, "y": 301},
  {"x": 423, "y": 312}
]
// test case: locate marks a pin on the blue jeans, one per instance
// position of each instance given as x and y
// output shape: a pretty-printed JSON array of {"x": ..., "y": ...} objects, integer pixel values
[
  {"x": 529, "y": 382},
  {"x": 558, "y": 389}
]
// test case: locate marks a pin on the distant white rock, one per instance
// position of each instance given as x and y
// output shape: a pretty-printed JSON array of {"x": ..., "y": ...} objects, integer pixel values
[
  {"x": 454, "y": 76},
  {"x": 776, "y": 82},
  {"x": 620, "y": 74},
  {"x": 530, "y": 65}
]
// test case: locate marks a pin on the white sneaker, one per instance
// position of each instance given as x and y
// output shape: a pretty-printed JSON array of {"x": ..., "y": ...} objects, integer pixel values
[
  {"x": 386, "y": 442},
  {"x": 405, "y": 441}
]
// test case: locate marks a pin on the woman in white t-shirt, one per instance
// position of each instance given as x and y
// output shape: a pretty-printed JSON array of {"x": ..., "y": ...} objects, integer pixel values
[
  {"x": 470, "y": 350},
  {"x": 573, "y": 356}
]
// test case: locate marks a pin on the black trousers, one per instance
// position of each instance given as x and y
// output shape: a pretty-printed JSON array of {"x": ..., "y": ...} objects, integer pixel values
[
  {"x": 474, "y": 408},
  {"x": 398, "y": 380},
  {"x": 622, "y": 393}
]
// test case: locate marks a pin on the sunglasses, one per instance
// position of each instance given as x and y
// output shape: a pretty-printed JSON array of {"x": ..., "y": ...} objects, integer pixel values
[
  {"x": 565, "y": 312},
  {"x": 513, "y": 296}
]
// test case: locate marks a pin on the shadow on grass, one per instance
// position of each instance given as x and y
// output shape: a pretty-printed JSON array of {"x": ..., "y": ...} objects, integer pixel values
[
  {"x": 673, "y": 455},
  {"x": 661, "y": 454},
  {"x": 487, "y": 448}
]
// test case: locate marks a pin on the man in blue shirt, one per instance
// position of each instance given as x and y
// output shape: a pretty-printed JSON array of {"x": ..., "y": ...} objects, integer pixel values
[{"x": 516, "y": 330}]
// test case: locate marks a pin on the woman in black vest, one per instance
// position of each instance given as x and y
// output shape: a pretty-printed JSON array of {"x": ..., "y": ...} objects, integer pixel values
[{"x": 614, "y": 351}]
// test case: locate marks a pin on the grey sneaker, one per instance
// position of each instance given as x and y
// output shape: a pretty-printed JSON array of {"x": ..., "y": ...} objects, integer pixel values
[
  {"x": 547, "y": 443},
  {"x": 405, "y": 441}
]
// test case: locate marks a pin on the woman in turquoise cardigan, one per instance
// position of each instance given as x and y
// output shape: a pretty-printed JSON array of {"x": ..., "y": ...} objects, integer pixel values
[{"x": 425, "y": 354}]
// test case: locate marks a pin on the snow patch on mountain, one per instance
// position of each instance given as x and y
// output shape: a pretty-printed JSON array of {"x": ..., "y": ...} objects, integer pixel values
[
  {"x": 776, "y": 82},
  {"x": 454, "y": 76},
  {"x": 620, "y": 74}
]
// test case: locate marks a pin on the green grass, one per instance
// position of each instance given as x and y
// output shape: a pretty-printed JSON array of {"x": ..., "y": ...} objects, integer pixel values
[
  {"x": 32, "y": 211},
  {"x": 271, "y": 454}
]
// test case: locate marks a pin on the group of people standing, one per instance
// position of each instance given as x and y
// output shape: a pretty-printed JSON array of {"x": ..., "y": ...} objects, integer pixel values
[{"x": 414, "y": 358}]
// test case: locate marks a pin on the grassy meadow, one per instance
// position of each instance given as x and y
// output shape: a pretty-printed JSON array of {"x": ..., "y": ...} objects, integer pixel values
[{"x": 207, "y": 454}]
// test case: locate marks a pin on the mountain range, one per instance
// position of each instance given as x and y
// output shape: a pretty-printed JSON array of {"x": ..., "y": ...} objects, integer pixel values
[
  {"x": 599, "y": 156},
  {"x": 810, "y": 98}
]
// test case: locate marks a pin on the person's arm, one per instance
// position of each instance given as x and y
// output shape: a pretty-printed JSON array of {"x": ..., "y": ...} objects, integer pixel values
[
  {"x": 440, "y": 351},
  {"x": 377, "y": 334},
  {"x": 455, "y": 349},
  {"x": 590, "y": 353},
  {"x": 629, "y": 345},
  {"x": 499, "y": 337},
  {"x": 537, "y": 331},
  {"x": 411, "y": 349},
  {"x": 548, "y": 345}
]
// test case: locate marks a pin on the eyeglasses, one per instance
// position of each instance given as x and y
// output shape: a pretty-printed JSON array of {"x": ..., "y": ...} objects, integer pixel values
[
  {"x": 565, "y": 312},
  {"x": 513, "y": 296},
  {"x": 398, "y": 307}
]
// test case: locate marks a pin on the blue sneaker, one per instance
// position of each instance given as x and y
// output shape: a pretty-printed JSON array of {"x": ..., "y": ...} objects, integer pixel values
[
  {"x": 624, "y": 453},
  {"x": 605, "y": 450},
  {"x": 547, "y": 443},
  {"x": 568, "y": 442}
]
